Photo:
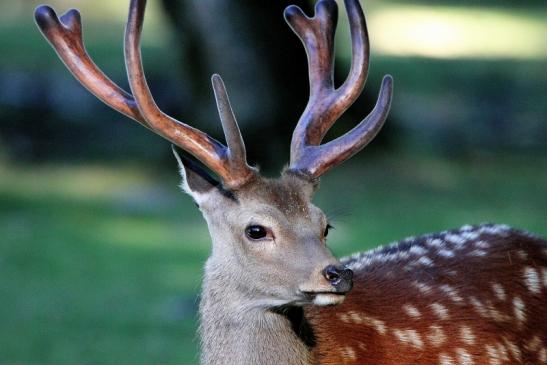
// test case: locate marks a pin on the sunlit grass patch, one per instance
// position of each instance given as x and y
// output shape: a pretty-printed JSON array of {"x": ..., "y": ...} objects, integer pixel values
[
  {"x": 87, "y": 182},
  {"x": 456, "y": 32}
]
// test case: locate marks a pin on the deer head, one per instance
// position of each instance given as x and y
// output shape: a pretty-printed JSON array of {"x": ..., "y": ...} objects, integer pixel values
[{"x": 268, "y": 237}]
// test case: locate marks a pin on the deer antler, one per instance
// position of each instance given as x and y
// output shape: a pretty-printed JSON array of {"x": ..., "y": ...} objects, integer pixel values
[
  {"x": 326, "y": 104},
  {"x": 65, "y": 35}
]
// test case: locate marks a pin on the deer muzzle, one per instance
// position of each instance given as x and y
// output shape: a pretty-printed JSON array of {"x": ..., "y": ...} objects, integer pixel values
[{"x": 340, "y": 277}]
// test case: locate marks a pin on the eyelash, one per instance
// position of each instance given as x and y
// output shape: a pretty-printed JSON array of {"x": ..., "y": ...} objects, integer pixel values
[{"x": 327, "y": 228}]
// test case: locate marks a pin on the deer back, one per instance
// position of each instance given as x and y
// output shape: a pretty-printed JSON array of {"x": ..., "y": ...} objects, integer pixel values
[{"x": 470, "y": 296}]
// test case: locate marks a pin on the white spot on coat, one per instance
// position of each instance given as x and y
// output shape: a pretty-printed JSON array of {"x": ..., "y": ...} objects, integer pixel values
[
  {"x": 470, "y": 236},
  {"x": 378, "y": 325},
  {"x": 348, "y": 354},
  {"x": 478, "y": 253},
  {"x": 466, "y": 335},
  {"x": 479, "y": 307},
  {"x": 425, "y": 261},
  {"x": 514, "y": 349},
  {"x": 466, "y": 228},
  {"x": 463, "y": 357},
  {"x": 410, "y": 337},
  {"x": 500, "y": 230},
  {"x": 355, "y": 317},
  {"x": 499, "y": 291},
  {"x": 493, "y": 354},
  {"x": 502, "y": 352},
  {"x": 531, "y": 278},
  {"x": 534, "y": 344},
  {"x": 362, "y": 318},
  {"x": 519, "y": 310},
  {"x": 455, "y": 239},
  {"x": 436, "y": 336},
  {"x": 446, "y": 253},
  {"x": 417, "y": 250},
  {"x": 412, "y": 311},
  {"x": 452, "y": 293},
  {"x": 434, "y": 242},
  {"x": 440, "y": 310},
  {"x": 444, "y": 359},
  {"x": 343, "y": 317},
  {"x": 542, "y": 356},
  {"x": 422, "y": 287}
]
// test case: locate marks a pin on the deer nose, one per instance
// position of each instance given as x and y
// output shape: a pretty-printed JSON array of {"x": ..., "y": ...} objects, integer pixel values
[{"x": 340, "y": 277}]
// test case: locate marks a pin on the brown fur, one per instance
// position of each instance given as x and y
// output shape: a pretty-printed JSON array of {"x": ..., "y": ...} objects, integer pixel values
[
  {"x": 290, "y": 195},
  {"x": 382, "y": 289}
]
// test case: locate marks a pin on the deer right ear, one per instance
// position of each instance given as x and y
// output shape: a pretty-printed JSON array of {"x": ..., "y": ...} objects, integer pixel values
[{"x": 196, "y": 182}]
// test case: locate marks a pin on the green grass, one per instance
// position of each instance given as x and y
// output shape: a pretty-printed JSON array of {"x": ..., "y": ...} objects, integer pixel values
[
  {"x": 102, "y": 265},
  {"x": 397, "y": 197},
  {"x": 93, "y": 272}
]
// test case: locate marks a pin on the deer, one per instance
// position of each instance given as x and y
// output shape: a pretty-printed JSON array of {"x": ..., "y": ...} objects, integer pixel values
[{"x": 273, "y": 293}]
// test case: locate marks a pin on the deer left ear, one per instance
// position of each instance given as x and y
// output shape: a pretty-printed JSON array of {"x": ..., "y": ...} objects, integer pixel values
[{"x": 196, "y": 182}]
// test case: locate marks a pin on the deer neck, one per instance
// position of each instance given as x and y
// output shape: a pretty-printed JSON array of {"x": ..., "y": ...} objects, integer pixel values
[{"x": 238, "y": 330}]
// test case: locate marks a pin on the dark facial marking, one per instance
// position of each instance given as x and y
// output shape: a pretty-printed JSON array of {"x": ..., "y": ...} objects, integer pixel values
[{"x": 299, "y": 324}]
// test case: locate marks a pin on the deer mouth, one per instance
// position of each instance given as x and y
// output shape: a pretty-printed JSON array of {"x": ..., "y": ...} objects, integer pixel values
[{"x": 325, "y": 298}]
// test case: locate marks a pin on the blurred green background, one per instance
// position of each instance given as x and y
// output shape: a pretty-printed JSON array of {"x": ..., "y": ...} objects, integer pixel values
[{"x": 101, "y": 255}]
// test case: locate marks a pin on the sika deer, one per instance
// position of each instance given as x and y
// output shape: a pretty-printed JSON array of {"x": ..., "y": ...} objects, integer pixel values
[{"x": 273, "y": 293}]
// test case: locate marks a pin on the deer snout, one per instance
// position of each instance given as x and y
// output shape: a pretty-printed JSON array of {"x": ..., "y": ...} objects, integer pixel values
[{"x": 340, "y": 277}]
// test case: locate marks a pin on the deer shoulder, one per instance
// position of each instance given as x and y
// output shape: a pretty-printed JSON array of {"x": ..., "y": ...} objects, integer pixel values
[{"x": 475, "y": 295}]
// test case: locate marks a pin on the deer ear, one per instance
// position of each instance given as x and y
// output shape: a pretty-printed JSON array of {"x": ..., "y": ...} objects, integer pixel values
[{"x": 196, "y": 182}]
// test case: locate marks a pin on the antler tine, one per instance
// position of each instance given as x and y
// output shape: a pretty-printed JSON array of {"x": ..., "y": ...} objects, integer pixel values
[
  {"x": 234, "y": 140},
  {"x": 317, "y": 36},
  {"x": 316, "y": 160},
  {"x": 65, "y": 36},
  {"x": 231, "y": 166},
  {"x": 326, "y": 104},
  {"x": 360, "y": 55}
]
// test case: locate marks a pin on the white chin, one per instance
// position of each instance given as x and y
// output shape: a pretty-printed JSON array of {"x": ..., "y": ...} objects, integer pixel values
[{"x": 328, "y": 299}]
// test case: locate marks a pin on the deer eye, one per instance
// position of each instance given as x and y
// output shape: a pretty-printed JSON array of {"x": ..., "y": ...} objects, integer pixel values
[
  {"x": 256, "y": 232},
  {"x": 326, "y": 233}
]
